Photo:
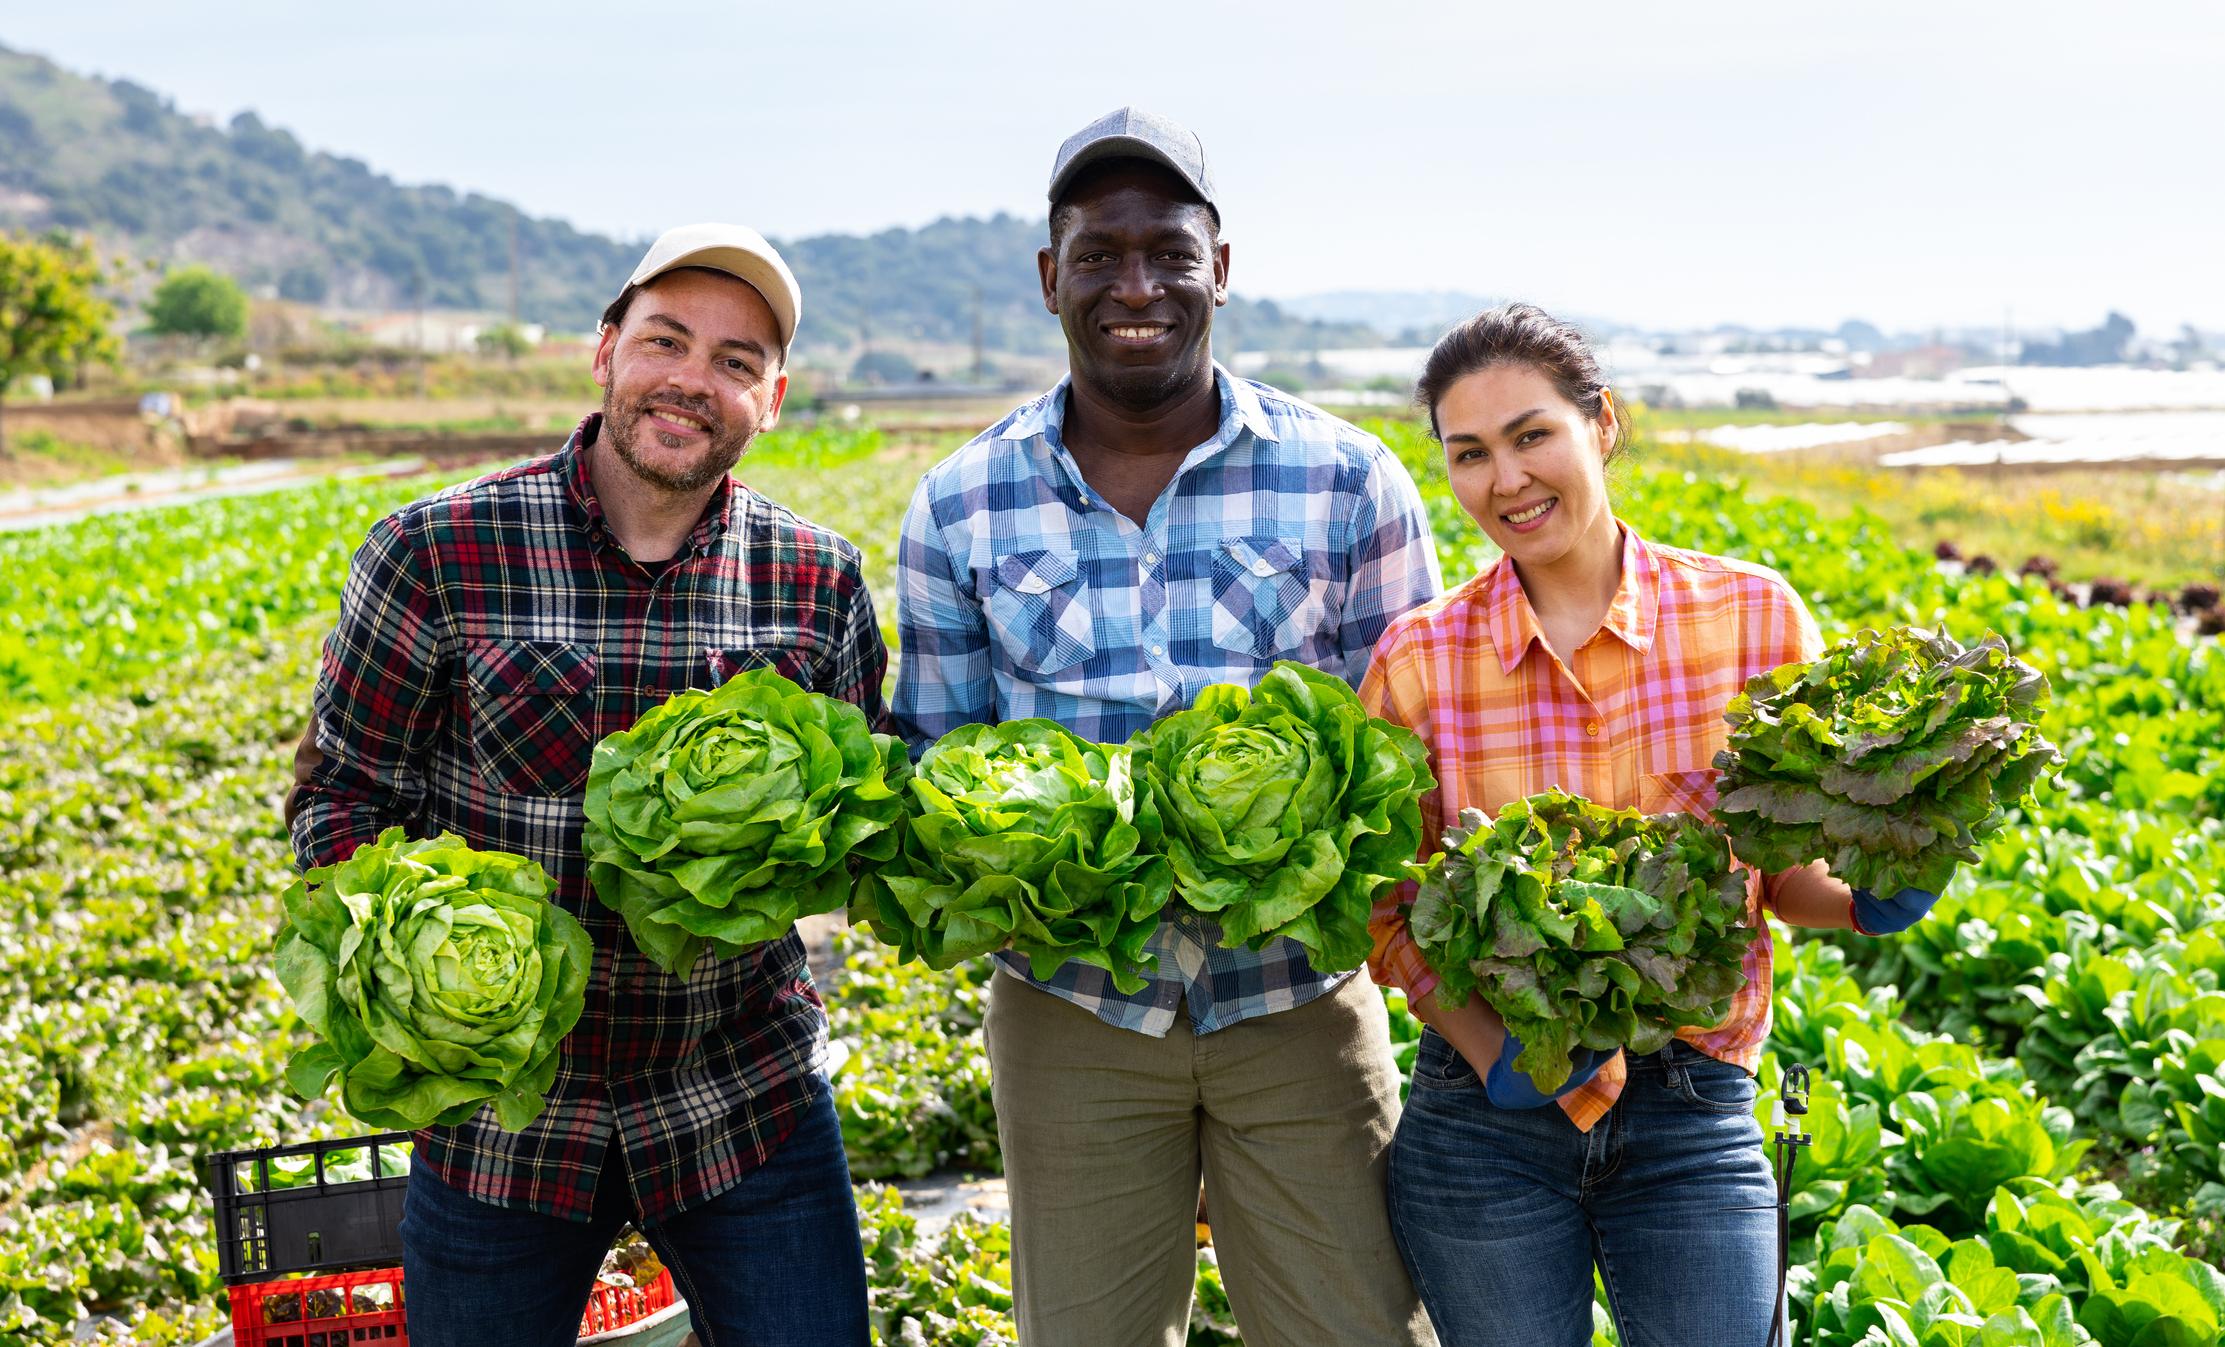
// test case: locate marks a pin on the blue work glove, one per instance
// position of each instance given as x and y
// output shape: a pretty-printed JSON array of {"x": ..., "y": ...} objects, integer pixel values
[
  {"x": 1506, "y": 1087},
  {"x": 1890, "y": 916}
]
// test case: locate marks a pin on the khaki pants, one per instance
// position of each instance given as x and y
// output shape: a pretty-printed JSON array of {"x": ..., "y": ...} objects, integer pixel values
[{"x": 1105, "y": 1131}]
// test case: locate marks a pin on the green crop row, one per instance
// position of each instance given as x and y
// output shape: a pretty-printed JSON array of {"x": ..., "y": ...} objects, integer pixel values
[
  {"x": 1986, "y": 1176},
  {"x": 98, "y": 605},
  {"x": 140, "y": 850},
  {"x": 2049, "y": 1043}
]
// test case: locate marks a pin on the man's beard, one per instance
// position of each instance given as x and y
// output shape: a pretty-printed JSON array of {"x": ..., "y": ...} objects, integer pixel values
[
  {"x": 1146, "y": 389},
  {"x": 1143, "y": 390},
  {"x": 720, "y": 455}
]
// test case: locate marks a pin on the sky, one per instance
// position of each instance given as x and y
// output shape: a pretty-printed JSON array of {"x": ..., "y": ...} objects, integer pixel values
[{"x": 1915, "y": 165}]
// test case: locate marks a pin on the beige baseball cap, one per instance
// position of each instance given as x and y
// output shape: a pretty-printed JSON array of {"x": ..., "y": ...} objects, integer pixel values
[{"x": 738, "y": 251}]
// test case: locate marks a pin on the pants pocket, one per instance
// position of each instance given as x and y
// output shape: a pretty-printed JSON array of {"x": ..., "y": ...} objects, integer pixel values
[
  {"x": 1704, "y": 1083},
  {"x": 1438, "y": 1066}
]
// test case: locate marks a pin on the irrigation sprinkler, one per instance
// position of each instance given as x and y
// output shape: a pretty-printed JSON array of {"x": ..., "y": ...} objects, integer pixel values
[{"x": 1792, "y": 1090}]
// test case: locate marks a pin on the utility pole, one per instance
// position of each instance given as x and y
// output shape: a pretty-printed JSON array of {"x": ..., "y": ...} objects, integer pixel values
[
  {"x": 2008, "y": 339},
  {"x": 865, "y": 332},
  {"x": 513, "y": 266},
  {"x": 980, "y": 365}
]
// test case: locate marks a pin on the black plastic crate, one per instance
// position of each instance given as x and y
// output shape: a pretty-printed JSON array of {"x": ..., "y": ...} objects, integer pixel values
[{"x": 314, "y": 1207}]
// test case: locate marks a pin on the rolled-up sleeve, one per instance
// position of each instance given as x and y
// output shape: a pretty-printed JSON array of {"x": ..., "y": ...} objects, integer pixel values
[
  {"x": 860, "y": 656},
  {"x": 943, "y": 678},
  {"x": 1397, "y": 960},
  {"x": 1394, "y": 561},
  {"x": 380, "y": 690}
]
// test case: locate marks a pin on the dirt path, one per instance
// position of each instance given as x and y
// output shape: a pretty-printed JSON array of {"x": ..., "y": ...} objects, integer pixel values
[{"x": 44, "y": 507}]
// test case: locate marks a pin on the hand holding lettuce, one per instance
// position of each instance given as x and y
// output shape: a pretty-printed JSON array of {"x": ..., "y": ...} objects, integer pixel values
[
  {"x": 1287, "y": 809},
  {"x": 1584, "y": 927},
  {"x": 439, "y": 977},
  {"x": 1891, "y": 757},
  {"x": 721, "y": 817},
  {"x": 1022, "y": 835}
]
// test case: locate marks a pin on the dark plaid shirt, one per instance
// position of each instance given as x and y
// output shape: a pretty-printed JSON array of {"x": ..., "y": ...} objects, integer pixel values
[{"x": 488, "y": 637}]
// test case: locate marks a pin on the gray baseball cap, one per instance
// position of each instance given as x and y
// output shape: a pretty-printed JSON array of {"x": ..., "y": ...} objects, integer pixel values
[{"x": 1133, "y": 133}]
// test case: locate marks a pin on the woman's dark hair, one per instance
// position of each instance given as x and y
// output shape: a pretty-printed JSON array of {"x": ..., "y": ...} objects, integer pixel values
[{"x": 1519, "y": 334}]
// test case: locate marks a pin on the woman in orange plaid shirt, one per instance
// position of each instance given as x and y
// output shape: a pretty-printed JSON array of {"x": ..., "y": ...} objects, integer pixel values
[{"x": 1591, "y": 659}]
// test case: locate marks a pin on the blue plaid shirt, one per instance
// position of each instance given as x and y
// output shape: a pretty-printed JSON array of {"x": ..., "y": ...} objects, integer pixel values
[{"x": 1288, "y": 535}]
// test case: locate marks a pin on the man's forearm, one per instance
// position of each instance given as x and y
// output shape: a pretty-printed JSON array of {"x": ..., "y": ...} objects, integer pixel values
[{"x": 336, "y": 806}]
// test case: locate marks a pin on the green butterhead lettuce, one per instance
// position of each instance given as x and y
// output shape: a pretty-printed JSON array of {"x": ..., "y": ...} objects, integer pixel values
[
  {"x": 1584, "y": 926},
  {"x": 439, "y": 977},
  {"x": 1287, "y": 809},
  {"x": 1891, "y": 757},
  {"x": 723, "y": 816},
  {"x": 1028, "y": 836}
]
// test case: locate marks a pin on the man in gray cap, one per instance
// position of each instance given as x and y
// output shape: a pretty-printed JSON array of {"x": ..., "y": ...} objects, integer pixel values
[
  {"x": 488, "y": 637},
  {"x": 1150, "y": 527}
]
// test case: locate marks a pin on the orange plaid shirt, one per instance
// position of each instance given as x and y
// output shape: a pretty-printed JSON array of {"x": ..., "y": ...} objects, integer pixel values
[{"x": 1635, "y": 723}]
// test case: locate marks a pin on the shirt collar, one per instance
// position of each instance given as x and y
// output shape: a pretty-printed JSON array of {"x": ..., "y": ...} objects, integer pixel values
[
  {"x": 1240, "y": 410},
  {"x": 717, "y": 512},
  {"x": 1630, "y": 617}
]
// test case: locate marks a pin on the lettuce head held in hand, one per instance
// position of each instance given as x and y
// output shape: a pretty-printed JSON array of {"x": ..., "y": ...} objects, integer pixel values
[
  {"x": 1287, "y": 809},
  {"x": 723, "y": 816},
  {"x": 440, "y": 978},
  {"x": 1891, "y": 757},
  {"x": 1023, "y": 835},
  {"x": 1584, "y": 926}
]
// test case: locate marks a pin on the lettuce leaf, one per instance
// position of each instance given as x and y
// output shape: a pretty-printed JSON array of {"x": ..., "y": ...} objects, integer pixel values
[
  {"x": 1022, "y": 835},
  {"x": 1583, "y": 926},
  {"x": 1891, "y": 757}
]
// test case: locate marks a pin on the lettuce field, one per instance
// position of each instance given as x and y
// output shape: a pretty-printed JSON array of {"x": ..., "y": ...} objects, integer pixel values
[{"x": 2019, "y": 1106}]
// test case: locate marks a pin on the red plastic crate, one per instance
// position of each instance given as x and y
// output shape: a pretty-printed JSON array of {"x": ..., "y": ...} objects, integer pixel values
[
  {"x": 367, "y": 1306},
  {"x": 612, "y": 1307},
  {"x": 345, "y": 1307}
]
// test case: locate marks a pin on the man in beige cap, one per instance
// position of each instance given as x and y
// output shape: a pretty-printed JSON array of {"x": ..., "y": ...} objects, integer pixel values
[{"x": 488, "y": 637}]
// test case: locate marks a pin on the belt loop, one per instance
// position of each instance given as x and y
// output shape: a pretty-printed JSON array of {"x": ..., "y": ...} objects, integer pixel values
[{"x": 1673, "y": 1072}]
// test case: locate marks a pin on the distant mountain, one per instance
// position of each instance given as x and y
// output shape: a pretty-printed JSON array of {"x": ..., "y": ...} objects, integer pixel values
[
  {"x": 120, "y": 161},
  {"x": 919, "y": 284}
]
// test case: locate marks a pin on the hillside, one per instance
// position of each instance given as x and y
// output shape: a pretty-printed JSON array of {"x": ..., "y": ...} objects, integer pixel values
[
  {"x": 918, "y": 284},
  {"x": 120, "y": 161}
]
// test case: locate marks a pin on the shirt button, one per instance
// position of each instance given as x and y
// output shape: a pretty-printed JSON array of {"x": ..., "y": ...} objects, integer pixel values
[
  {"x": 1158, "y": 650},
  {"x": 1592, "y": 729},
  {"x": 1262, "y": 568},
  {"x": 1151, "y": 558}
]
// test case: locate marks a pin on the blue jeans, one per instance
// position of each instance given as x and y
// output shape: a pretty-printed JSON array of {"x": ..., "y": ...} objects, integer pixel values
[
  {"x": 1500, "y": 1214},
  {"x": 773, "y": 1260}
]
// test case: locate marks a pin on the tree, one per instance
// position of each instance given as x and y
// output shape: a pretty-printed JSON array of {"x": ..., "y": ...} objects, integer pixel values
[
  {"x": 197, "y": 302},
  {"x": 504, "y": 339},
  {"x": 52, "y": 318}
]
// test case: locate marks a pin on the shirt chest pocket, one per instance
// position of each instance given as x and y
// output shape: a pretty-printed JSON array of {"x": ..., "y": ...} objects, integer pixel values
[
  {"x": 791, "y": 664},
  {"x": 1264, "y": 599},
  {"x": 1039, "y": 611},
  {"x": 532, "y": 715}
]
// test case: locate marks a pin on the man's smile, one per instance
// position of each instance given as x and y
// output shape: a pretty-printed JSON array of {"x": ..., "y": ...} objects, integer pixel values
[
  {"x": 677, "y": 422},
  {"x": 1137, "y": 334}
]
